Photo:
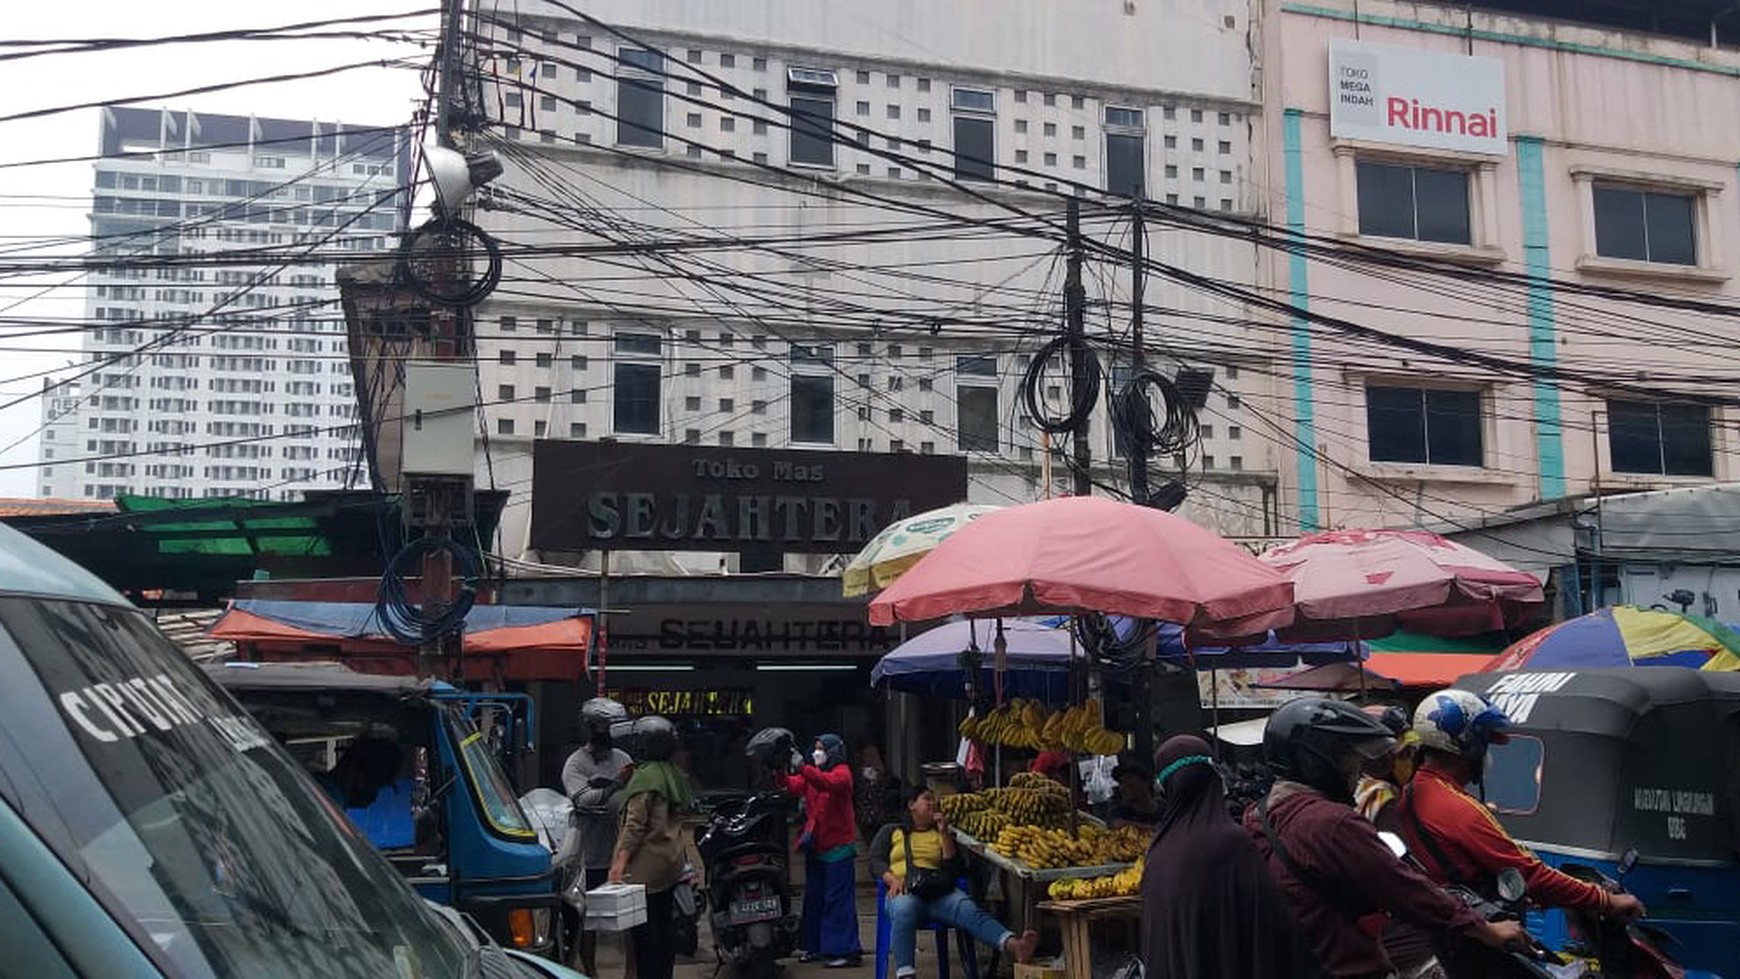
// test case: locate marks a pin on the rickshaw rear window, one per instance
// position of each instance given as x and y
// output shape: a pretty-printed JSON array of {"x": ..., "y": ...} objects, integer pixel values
[{"x": 1513, "y": 783}]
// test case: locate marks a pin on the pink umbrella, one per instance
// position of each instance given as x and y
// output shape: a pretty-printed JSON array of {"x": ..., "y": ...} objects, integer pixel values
[
  {"x": 1085, "y": 553},
  {"x": 1369, "y": 583}
]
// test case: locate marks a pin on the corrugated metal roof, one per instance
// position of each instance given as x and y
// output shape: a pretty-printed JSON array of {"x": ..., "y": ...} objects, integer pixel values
[
  {"x": 26, "y": 507},
  {"x": 188, "y": 630}
]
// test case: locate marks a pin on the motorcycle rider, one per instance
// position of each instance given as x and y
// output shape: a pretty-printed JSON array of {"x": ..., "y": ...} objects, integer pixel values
[
  {"x": 1455, "y": 836},
  {"x": 1330, "y": 863},
  {"x": 591, "y": 777}
]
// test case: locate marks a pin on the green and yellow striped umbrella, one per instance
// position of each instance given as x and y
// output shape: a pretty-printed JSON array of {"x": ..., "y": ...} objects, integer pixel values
[{"x": 901, "y": 544}]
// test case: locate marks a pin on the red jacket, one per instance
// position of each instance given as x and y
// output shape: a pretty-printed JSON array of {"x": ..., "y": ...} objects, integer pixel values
[
  {"x": 829, "y": 820},
  {"x": 1477, "y": 847},
  {"x": 1352, "y": 875}
]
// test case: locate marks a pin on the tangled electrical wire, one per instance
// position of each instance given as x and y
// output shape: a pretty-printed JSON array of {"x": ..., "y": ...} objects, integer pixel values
[
  {"x": 1081, "y": 399},
  {"x": 1120, "y": 650},
  {"x": 413, "y": 624}
]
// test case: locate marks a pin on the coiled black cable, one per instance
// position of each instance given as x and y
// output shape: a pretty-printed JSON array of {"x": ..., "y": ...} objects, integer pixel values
[
  {"x": 1137, "y": 423},
  {"x": 413, "y": 624},
  {"x": 434, "y": 260},
  {"x": 1081, "y": 401}
]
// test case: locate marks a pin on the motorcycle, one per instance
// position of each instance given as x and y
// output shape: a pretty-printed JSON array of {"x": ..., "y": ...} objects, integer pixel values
[
  {"x": 743, "y": 848},
  {"x": 1534, "y": 962},
  {"x": 1623, "y": 951},
  {"x": 689, "y": 902}
]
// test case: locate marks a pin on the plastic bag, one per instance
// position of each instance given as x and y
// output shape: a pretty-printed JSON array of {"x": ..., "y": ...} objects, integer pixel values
[
  {"x": 1097, "y": 772},
  {"x": 549, "y": 812}
]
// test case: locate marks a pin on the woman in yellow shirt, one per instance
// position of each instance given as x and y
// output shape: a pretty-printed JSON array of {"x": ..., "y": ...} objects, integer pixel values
[{"x": 924, "y": 835}]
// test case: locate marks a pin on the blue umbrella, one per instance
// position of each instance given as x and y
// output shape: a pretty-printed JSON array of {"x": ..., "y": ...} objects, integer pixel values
[{"x": 930, "y": 663}]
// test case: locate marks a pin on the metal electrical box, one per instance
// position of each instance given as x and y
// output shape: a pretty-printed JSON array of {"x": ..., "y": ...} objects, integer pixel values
[{"x": 440, "y": 415}]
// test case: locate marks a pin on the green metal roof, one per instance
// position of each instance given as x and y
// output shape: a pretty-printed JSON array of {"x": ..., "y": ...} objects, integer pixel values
[{"x": 203, "y": 547}]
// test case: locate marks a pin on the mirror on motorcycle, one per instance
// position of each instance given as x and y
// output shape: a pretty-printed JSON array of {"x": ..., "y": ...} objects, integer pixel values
[
  {"x": 1511, "y": 886},
  {"x": 1628, "y": 861},
  {"x": 1395, "y": 844}
]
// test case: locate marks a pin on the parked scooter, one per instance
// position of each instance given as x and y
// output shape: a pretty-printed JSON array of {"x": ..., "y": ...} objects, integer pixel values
[
  {"x": 1624, "y": 951},
  {"x": 743, "y": 847}
]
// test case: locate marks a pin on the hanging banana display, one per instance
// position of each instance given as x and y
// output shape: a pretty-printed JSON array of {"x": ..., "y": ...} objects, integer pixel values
[{"x": 1028, "y": 724}]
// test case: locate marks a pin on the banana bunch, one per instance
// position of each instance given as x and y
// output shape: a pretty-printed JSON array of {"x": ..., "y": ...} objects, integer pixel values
[
  {"x": 1082, "y": 730},
  {"x": 1124, "y": 882},
  {"x": 958, "y": 804},
  {"x": 1034, "y": 780},
  {"x": 1028, "y": 724},
  {"x": 982, "y": 824},
  {"x": 1121, "y": 845},
  {"x": 1017, "y": 724},
  {"x": 1042, "y": 848},
  {"x": 1027, "y": 804}
]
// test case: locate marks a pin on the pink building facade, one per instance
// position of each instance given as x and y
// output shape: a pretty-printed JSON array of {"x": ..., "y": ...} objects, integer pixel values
[{"x": 1512, "y": 255}]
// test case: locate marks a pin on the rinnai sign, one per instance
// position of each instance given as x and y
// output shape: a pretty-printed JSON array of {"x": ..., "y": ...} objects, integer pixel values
[{"x": 1416, "y": 98}]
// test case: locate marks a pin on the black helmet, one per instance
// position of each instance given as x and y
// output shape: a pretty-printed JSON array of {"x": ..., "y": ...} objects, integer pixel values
[
  {"x": 655, "y": 738},
  {"x": 598, "y": 714},
  {"x": 770, "y": 746},
  {"x": 1322, "y": 743}
]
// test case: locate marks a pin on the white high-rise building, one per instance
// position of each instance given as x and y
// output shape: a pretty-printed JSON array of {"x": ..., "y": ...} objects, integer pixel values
[{"x": 216, "y": 362}]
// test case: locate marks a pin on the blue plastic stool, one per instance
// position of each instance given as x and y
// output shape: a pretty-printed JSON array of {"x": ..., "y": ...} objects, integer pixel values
[{"x": 885, "y": 935}]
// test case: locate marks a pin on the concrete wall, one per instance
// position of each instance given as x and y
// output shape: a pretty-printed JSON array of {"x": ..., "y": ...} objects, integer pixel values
[{"x": 1582, "y": 104}]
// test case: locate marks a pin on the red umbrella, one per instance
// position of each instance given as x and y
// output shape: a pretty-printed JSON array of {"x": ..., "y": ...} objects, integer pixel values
[
  {"x": 1085, "y": 553},
  {"x": 1373, "y": 582}
]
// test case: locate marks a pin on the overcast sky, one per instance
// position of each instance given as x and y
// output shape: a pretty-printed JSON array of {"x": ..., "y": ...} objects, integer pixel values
[{"x": 53, "y": 201}]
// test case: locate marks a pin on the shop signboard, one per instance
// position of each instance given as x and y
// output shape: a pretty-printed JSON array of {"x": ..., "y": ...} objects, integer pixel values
[
  {"x": 1410, "y": 97},
  {"x": 1238, "y": 690},
  {"x": 600, "y": 496},
  {"x": 788, "y": 630},
  {"x": 640, "y": 701}
]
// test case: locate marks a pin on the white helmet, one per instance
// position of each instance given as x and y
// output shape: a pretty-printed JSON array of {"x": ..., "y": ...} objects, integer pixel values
[{"x": 1460, "y": 723}]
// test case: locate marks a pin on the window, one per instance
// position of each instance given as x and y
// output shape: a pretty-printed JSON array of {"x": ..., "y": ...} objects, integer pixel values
[
  {"x": 976, "y": 410},
  {"x": 1435, "y": 426},
  {"x": 812, "y": 394},
  {"x": 973, "y": 100},
  {"x": 1659, "y": 438},
  {"x": 541, "y": 394},
  {"x": 546, "y": 360},
  {"x": 504, "y": 426},
  {"x": 1398, "y": 200},
  {"x": 509, "y": 324},
  {"x": 504, "y": 392},
  {"x": 1078, "y": 132},
  {"x": 975, "y": 148},
  {"x": 727, "y": 61},
  {"x": 640, "y": 100},
  {"x": 506, "y": 358},
  {"x": 812, "y": 130},
  {"x": 636, "y": 393},
  {"x": 1646, "y": 226}
]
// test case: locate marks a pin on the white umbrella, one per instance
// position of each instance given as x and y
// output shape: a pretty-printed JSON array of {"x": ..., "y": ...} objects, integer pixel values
[{"x": 901, "y": 544}]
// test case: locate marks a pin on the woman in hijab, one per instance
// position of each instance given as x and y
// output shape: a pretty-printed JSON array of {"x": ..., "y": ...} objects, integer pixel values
[
  {"x": 1210, "y": 909},
  {"x": 649, "y": 848},
  {"x": 829, "y": 928}
]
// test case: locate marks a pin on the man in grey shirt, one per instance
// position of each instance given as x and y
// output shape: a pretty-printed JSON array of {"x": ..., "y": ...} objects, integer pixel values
[{"x": 592, "y": 777}]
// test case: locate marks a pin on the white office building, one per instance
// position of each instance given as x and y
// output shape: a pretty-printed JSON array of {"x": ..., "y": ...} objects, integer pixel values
[
  {"x": 687, "y": 263},
  {"x": 215, "y": 358}
]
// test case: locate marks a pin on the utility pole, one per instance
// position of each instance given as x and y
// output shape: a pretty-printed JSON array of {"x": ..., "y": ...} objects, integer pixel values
[
  {"x": 433, "y": 502},
  {"x": 1075, "y": 315},
  {"x": 1137, "y": 451}
]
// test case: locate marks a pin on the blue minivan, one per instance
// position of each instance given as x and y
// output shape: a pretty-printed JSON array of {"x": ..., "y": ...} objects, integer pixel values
[{"x": 150, "y": 827}]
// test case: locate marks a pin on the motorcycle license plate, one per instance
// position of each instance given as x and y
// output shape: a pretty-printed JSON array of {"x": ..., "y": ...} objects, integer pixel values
[{"x": 744, "y": 912}]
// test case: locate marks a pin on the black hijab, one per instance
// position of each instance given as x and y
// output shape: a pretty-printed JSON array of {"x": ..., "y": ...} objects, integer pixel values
[{"x": 1210, "y": 910}]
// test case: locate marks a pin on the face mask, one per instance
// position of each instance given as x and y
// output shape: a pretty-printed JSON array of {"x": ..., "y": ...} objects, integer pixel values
[{"x": 819, "y": 755}]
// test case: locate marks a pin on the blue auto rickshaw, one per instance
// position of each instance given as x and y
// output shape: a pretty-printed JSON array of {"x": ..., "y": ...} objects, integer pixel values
[
  {"x": 441, "y": 809},
  {"x": 1646, "y": 758}
]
